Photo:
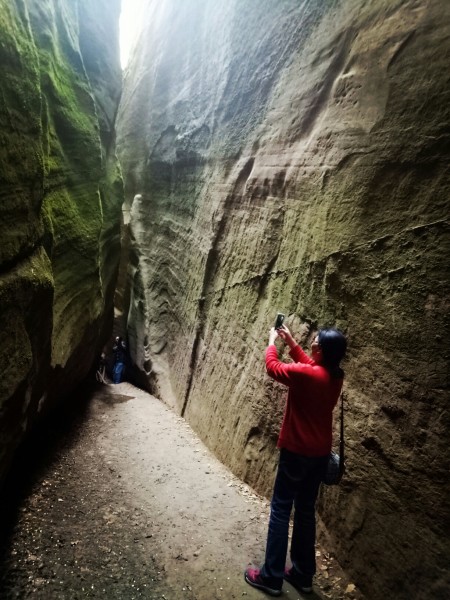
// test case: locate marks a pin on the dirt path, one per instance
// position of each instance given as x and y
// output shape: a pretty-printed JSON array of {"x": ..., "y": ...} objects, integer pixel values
[{"x": 125, "y": 502}]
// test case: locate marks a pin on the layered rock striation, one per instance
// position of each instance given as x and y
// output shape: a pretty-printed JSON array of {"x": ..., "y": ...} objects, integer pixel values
[
  {"x": 294, "y": 156},
  {"x": 61, "y": 194}
]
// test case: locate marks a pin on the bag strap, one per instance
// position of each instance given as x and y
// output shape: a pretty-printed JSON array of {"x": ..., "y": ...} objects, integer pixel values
[{"x": 341, "y": 443}]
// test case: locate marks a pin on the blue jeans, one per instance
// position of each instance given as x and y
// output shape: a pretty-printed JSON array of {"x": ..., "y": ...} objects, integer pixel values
[
  {"x": 297, "y": 484},
  {"x": 118, "y": 372}
]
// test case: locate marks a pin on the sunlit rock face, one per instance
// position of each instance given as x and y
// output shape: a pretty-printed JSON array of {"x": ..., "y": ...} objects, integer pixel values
[
  {"x": 61, "y": 193},
  {"x": 292, "y": 156}
]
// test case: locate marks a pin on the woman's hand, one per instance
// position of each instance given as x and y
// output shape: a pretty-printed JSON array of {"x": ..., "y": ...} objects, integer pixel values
[
  {"x": 286, "y": 336},
  {"x": 273, "y": 334}
]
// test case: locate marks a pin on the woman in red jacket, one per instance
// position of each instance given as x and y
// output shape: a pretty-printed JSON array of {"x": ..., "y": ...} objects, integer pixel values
[{"x": 314, "y": 386}]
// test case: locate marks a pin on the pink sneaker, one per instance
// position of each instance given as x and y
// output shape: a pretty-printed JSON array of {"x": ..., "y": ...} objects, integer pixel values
[{"x": 254, "y": 578}]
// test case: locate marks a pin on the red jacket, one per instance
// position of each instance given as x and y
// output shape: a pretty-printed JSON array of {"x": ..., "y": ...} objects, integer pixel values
[{"x": 313, "y": 393}]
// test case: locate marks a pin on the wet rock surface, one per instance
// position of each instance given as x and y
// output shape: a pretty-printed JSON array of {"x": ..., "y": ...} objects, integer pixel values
[
  {"x": 61, "y": 192},
  {"x": 124, "y": 501}
]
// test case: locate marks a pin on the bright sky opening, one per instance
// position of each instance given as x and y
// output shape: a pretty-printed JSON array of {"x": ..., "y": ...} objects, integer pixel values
[{"x": 130, "y": 24}]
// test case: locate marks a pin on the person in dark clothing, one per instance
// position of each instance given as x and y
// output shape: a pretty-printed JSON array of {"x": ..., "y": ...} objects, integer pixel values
[
  {"x": 314, "y": 386},
  {"x": 120, "y": 358}
]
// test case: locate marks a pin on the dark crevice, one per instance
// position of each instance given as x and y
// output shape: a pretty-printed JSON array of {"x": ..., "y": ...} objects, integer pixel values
[
  {"x": 254, "y": 432},
  {"x": 192, "y": 365}
]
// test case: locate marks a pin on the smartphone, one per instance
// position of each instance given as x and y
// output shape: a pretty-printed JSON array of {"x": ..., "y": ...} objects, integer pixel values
[{"x": 279, "y": 320}]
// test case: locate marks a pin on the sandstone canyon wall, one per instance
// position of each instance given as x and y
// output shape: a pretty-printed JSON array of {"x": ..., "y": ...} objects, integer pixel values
[
  {"x": 61, "y": 194},
  {"x": 293, "y": 156}
]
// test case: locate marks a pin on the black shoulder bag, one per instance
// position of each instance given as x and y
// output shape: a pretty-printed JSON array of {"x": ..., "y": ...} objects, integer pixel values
[{"x": 336, "y": 465}]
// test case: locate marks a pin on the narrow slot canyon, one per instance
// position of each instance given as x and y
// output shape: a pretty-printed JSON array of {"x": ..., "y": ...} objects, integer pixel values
[{"x": 252, "y": 157}]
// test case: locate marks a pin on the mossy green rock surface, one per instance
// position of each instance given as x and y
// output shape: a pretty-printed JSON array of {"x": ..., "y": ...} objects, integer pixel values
[
  {"x": 293, "y": 156},
  {"x": 61, "y": 194}
]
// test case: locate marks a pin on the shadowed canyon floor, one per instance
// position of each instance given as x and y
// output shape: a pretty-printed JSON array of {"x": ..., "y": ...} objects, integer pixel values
[{"x": 120, "y": 500}]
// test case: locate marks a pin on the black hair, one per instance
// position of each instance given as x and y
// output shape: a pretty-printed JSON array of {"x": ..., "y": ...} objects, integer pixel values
[{"x": 333, "y": 344}]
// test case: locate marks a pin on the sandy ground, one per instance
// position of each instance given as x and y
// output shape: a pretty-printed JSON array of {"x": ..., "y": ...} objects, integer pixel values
[{"x": 118, "y": 498}]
